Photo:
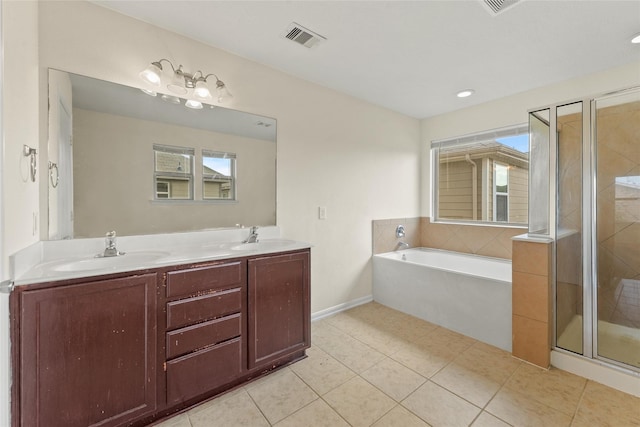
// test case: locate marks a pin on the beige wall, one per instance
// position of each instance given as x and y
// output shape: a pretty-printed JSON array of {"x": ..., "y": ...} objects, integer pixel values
[
  {"x": 333, "y": 150},
  {"x": 19, "y": 127},
  {"x": 119, "y": 150}
]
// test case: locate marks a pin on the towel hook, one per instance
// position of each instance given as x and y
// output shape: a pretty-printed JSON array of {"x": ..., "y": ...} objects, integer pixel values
[{"x": 52, "y": 166}]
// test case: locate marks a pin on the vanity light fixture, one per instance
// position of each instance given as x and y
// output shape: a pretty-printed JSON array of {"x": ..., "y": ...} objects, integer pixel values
[
  {"x": 181, "y": 82},
  {"x": 465, "y": 93},
  {"x": 635, "y": 39}
]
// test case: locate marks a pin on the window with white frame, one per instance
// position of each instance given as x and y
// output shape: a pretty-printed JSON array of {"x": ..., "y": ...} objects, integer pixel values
[
  {"x": 501, "y": 192},
  {"x": 482, "y": 178},
  {"x": 173, "y": 172}
]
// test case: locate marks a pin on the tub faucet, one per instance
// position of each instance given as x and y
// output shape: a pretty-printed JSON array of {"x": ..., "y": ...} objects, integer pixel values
[
  {"x": 253, "y": 236},
  {"x": 110, "y": 245},
  {"x": 401, "y": 245}
]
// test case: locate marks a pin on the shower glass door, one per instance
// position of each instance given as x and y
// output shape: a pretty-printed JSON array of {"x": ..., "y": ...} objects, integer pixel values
[
  {"x": 617, "y": 231},
  {"x": 569, "y": 240}
]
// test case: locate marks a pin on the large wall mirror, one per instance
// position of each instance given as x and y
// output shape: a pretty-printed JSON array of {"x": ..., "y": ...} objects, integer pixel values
[{"x": 124, "y": 160}]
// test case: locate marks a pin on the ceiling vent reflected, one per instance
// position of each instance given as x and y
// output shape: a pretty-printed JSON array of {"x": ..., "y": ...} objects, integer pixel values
[
  {"x": 495, "y": 7},
  {"x": 302, "y": 35}
]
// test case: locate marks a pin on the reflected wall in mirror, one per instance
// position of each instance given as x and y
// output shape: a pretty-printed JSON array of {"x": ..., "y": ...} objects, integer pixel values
[{"x": 103, "y": 139}]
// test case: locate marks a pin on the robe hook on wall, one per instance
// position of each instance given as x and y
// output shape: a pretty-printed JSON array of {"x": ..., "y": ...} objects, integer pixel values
[{"x": 31, "y": 153}]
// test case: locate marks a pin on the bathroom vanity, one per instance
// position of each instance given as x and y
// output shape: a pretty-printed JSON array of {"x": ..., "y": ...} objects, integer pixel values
[{"x": 131, "y": 347}]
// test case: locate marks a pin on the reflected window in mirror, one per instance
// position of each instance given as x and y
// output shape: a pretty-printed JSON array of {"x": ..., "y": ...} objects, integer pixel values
[
  {"x": 218, "y": 175},
  {"x": 482, "y": 178},
  {"x": 173, "y": 174}
]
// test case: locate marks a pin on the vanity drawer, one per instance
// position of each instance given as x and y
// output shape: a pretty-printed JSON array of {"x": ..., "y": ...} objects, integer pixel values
[
  {"x": 197, "y": 280},
  {"x": 203, "y": 371},
  {"x": 191, "y": 338},
  {"x": 188, "y": 311}
]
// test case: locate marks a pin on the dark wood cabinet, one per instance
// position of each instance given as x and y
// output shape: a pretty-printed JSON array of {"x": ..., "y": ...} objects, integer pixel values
[
  {"x": 279, "y": 318},
  {"x": 127, "y": 349},
  {"x": 88, "y": 353},
  {"x": 206, "y": 314}
]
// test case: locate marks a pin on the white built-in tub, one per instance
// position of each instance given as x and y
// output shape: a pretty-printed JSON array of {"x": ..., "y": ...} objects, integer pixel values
[{"x": 469, "y": 294}]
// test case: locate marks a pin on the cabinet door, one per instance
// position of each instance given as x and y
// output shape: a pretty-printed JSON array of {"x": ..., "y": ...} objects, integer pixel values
[
  {"x": 88, "y": 353},
  {"x": 279, "y": 307}
]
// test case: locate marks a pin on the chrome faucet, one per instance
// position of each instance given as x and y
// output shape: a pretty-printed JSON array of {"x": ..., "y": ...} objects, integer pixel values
[
  {"x": 110, "y": 245},
  {"x": 401, "y": 245},
  {"x": 253, "y": 236}
]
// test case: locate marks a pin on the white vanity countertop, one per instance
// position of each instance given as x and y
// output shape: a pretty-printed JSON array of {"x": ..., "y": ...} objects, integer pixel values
[{"x": 48, "y": 261}]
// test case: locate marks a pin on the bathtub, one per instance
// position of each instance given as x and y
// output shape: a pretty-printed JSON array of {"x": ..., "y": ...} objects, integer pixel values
[{"x": 469, "y": 294}]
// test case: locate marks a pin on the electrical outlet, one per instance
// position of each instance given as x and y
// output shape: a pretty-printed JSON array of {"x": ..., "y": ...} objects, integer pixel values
[{"x": 322, "y": 212}]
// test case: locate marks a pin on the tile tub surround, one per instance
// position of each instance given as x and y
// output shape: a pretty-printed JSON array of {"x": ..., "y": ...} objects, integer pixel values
[
  {"x": 421, "y": 232},
  {"x": 374, "y": 366},
  {"x": 491, "y": 241},
  {"x": 384, "y": 234}
]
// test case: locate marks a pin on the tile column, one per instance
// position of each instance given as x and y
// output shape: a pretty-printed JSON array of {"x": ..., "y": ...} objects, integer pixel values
[{"x": 532, "y": 308}]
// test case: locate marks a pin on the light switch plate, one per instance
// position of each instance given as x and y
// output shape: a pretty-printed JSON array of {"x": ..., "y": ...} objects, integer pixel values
[{"x": 322, "y": 212}]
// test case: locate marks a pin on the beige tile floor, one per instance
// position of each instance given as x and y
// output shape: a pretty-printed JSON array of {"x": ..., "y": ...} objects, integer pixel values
[{"x": 374, "y": 366}]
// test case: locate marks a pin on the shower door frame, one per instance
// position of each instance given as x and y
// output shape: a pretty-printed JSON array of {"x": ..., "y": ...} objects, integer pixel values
[
  {"x": 593, "y": 180},
  {"x": 589, "y": 225}
]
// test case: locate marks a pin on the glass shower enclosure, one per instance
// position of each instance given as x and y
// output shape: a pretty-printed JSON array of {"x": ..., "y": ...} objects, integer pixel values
[{"x": 595, "y": 209}]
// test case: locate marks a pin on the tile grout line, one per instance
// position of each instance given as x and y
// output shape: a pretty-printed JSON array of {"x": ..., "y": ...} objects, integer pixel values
[
  {"x": 584, "y": 391},
  {"x": 502, "y": 386},
  {"x": 257, "y": 406}
]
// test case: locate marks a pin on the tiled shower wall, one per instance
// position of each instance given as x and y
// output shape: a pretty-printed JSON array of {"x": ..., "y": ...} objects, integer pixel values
[
  {"x": 421, "y": 232},
  {"x": 618, "y": 215}
]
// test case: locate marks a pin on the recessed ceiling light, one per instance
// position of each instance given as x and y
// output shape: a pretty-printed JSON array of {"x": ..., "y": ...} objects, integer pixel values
[
  {"x": 635, "y": 39},
  {"x": 465, "y": 93}
]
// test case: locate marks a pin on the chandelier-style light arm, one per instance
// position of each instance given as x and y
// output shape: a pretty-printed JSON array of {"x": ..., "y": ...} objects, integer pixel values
[
  {"x": 158, "y": 64},
  {"x": 182, "y": 81}
]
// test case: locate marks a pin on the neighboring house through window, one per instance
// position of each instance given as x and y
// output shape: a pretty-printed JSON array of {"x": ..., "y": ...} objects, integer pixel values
[
  {"x": 218, "y": 175},
  {"x": 173, "y": 172},
  {"x": 482, "y": 178}
]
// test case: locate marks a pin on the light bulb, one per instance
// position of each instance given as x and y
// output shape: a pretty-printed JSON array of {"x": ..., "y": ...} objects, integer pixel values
[
  {"x": 196, "y": 105},
  {"x": 202, "y": 90},
  {"x": 151, "y": 74}
]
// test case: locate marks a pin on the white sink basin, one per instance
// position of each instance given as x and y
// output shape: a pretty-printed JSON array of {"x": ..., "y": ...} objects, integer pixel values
[{"x": 130, "y": 259}]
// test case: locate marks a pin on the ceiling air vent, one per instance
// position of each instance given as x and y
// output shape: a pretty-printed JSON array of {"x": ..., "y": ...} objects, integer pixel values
[
  {"x": 303, "y": 36},
  {"x": 496, "y": 6}
]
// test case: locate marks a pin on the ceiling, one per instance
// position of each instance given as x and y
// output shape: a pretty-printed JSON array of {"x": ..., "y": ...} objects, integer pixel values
[{"x": 413, "y": 56}]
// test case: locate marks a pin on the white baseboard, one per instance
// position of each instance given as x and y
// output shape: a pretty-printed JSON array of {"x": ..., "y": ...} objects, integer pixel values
[
  {"x": 623, "y": 380},
  {"x": 340, "y": 307}
]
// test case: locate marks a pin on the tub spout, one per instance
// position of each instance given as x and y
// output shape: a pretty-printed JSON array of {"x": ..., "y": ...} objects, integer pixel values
[{"x": 401, "y": 245}]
